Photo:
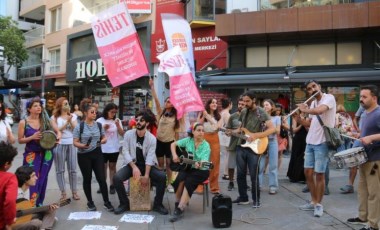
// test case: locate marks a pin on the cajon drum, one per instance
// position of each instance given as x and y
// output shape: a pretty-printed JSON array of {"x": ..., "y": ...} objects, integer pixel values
[{"x": 139, "y": 196}]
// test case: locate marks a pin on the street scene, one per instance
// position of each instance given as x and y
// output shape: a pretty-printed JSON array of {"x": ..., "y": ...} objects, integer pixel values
[
  {"x": 183, "y": 114},
  {"x": 277, "y": 212}
]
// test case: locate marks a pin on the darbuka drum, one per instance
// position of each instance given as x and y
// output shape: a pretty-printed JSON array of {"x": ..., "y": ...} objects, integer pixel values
[
  {"x": 352, "y": 157},
  {"x": 48, "y": 139},
  {"x": 139, "y": 196}
]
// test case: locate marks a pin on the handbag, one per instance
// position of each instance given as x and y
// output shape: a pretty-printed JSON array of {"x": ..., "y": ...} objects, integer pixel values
[
  {"x": 333, "y": 137},
  {"x": 283, "y": 132}
]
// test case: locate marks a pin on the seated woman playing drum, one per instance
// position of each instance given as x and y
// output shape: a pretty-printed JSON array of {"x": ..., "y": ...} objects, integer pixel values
[{"x": 187, "y": 181}]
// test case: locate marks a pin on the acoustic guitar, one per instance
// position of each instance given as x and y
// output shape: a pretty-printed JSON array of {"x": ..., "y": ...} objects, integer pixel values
[
  {"x": 186, "y": 161},
  {"x": 25, "y": 210},
  {"x": 258, "y": 146}
]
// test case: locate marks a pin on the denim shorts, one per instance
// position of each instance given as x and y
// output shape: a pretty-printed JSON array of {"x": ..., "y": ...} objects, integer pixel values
[{"x": 317, "y": 157}]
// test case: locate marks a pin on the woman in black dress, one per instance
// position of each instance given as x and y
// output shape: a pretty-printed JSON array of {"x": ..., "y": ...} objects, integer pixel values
[{"x": 295, "y": 169}]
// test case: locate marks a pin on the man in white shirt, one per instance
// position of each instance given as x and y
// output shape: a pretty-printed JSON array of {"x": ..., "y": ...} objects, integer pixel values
[{"x": 316, "y": 152}]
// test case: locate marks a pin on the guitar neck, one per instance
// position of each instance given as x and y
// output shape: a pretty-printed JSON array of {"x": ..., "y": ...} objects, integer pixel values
[{"x": 241, "y": 136}]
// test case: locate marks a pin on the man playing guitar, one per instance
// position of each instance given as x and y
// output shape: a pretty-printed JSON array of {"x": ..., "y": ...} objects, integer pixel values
[
  {"x": 45, "y": 220},
  {"x": 252, "y": 118}
]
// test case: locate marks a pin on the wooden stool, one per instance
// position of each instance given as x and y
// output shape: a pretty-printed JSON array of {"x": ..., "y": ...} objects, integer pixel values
[{"x": 205, "y": 194}]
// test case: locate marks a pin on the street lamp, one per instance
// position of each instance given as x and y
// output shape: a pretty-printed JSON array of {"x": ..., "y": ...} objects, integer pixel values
[{"x": 44, "y": 61}]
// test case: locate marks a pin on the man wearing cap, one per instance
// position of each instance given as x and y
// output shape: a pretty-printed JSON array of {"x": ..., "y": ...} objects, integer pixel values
[{"x": 316, "y": 152}]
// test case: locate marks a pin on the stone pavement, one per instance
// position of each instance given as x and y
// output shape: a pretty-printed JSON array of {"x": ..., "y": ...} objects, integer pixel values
[{"x": 278, "y": 211}]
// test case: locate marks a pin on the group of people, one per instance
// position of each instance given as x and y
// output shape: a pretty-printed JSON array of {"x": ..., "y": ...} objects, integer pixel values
[{"x": 93, "y": 143}]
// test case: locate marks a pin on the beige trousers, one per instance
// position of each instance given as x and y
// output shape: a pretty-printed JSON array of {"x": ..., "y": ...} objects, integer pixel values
[{"x": 368, "y": 193}]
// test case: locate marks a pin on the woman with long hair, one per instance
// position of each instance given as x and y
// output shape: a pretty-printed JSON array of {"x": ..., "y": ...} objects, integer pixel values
[
  {"x": 295, "y": 170},
  {"x": 88, "y": 136},
  {"x": 65, "y": 151},
  {"x": 113, "y": 128},
  {"x": 223, "y": 138},
  {"x": 6, "y": 134},
  {"x": 167, "y": 132},
  {"x": 282, "y": 141},
  {"x": 29, "y": 133},
  {"x": 211, "y": 120},
  {"x": 272, "y": 156},
  {"x": 187, "y": 181}
]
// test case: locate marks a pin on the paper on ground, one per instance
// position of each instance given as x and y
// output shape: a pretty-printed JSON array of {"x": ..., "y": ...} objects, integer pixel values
[
  {"x": 99, "y": 227},
  {"x": 137, "y": 218},
  {"x": 84, "y": 215}
]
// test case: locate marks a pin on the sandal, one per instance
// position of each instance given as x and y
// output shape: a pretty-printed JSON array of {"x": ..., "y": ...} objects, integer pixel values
[
  {"x": 225, "y": 177},
  {"x": 63, "y": 196},
  {"x": 75, "y": 196}
]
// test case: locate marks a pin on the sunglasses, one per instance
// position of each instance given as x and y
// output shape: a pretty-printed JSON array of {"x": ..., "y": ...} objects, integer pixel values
[
  {"x": 93, "y": 112},
  {"x": 373, "y": 170}
]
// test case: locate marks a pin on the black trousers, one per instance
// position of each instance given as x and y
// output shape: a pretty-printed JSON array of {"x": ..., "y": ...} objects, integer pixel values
[
  {"x": 93, "y": 161},
  {"x": 157, "y": 179}
]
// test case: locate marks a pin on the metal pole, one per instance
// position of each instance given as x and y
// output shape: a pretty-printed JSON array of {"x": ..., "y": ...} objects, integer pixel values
[{"x": 43, "y": 79}]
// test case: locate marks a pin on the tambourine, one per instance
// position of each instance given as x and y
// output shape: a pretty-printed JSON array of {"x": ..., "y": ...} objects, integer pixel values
[{"x": 48, "y": 139}]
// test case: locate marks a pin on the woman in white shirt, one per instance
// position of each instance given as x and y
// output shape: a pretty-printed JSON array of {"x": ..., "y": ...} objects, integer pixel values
[
  {"x": 113, "y": 128},
  {"x": 65, "y": 150},
  {"x": 6, "y": 134}
]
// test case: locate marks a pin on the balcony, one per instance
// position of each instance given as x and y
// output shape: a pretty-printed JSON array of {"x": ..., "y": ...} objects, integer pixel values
[
  {"x": 28, "y": 72},
  {"x": 33, "y": 9},
  {"x": 35, "y": 37}
]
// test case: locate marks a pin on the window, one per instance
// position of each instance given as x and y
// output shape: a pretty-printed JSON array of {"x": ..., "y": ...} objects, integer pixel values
[
  {"x": 349, "y": 53},
  {"x": 55, "y": 60},
  {"x": 257, "y": 56},
  {"x": 83, "y": 46},
  {"x": 56, "y": 19}
]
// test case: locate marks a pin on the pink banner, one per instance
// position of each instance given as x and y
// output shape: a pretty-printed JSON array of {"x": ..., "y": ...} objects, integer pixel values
[
  {"x": 119, "y": 45},
  {"x": 184, "y": 94}
]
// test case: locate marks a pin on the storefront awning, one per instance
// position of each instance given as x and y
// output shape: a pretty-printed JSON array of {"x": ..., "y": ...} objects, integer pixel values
[
  {"x": 246, "y": 80},
  {"x": 11, "y": 84}
]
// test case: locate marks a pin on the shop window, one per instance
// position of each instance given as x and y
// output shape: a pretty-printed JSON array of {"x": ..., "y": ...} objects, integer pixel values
[
  {"x": 279, "y": 55},
  {"x": 349, "y": 53},
  {"x": 377, "y": 51},
  {"x": 56, "y": 19},
  {"x": 304, "y": 55},
  {"x": 237, "y": 57},
  {"x": 83, "y": 46},
  {"x": 256, "y": 57},
  {"x": 55, "y": 60},
  {"x": 346, "y": 96}
]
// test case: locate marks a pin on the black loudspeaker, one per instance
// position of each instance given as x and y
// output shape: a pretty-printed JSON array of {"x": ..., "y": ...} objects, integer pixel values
[{"x": 221, "y": 211}]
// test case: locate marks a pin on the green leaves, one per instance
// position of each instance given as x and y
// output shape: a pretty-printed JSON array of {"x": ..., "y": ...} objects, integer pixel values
[{"x": 12, "y": 38}]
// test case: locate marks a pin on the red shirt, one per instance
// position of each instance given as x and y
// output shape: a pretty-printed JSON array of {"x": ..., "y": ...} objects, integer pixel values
[{"x": 8, "y": 196}]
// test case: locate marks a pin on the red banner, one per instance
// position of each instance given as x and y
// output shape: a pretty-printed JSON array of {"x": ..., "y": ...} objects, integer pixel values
[{"x": 118, "y": 45}]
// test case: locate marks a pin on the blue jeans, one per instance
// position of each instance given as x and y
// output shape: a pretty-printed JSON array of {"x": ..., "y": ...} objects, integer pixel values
[
  {"x": 273, "y": 164},
  {"x": 245, "y": 157},
  {"x": 346, "y": 144},
  {"x": 317, "y": 157}
]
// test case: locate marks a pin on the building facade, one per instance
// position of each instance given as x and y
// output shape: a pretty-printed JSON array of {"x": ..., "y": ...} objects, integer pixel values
[{"x": 276, "y": 45}]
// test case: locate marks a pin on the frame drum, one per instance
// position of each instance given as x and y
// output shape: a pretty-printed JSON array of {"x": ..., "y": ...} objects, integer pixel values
[{"x": 48, "y": 139}]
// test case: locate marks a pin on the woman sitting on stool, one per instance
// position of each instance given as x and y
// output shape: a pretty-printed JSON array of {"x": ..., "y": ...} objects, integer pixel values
[{"x": 187, "y": 181}]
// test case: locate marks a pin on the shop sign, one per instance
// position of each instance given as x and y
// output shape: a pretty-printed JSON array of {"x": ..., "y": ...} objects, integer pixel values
[
  {"x": 36, "y": 85},
  {"x": 91, "y": 68},
  {"x": 138, "y": 6}
]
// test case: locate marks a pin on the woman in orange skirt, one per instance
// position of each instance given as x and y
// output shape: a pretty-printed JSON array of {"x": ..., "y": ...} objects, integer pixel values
[{"x": 210, "y": 118}]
